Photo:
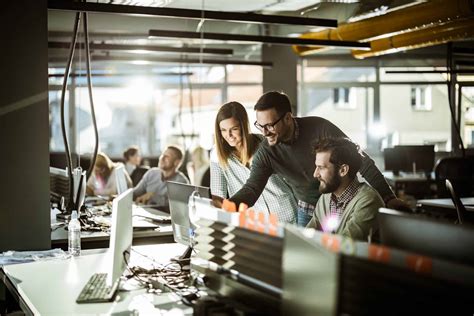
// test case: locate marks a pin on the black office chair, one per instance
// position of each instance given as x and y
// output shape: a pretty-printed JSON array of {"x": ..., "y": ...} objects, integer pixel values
[
  {"x": 460, "y": 209},
  {"x": 458, "y": 170},
  {"x": 138, "y": 173}
]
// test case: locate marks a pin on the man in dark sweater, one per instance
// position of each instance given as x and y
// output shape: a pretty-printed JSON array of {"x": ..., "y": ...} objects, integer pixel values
[{"x": 288, "y": 151}]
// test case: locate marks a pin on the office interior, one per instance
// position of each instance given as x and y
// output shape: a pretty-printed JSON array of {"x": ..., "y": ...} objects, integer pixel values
[{"x": 395, "y": 75}]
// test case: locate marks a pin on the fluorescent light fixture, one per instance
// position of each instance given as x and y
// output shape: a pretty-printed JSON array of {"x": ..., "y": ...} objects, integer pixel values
[
  {"x": 260, "y": 39},
  {"x": 145, "y": 48},
  {"x": 189, "y": 13}
]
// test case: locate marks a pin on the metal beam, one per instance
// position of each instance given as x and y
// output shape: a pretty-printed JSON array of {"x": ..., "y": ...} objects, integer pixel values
[
  {"x": 188, "y": 13},
  {"x": 150, "y": 48},
  {"x": 176, "y": 60},
  {"x": 123, "y": 74},
  {"x": 462, "y": 71},
  {"x": 259, "y": 39}
]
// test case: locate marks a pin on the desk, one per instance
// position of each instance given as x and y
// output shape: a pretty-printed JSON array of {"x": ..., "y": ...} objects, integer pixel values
[
  {"x": 51, "y": 287},
  {"x": 416, "y": 185},
  {"x": 91, "y": 240},
  {"x": 447, "y": 204}
]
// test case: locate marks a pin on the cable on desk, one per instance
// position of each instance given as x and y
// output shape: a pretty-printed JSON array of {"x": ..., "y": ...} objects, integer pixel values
[{"x": 165, "y": 277}]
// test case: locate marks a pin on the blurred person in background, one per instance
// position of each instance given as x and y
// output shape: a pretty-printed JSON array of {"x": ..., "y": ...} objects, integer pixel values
[{"x": 102, "y": 180}]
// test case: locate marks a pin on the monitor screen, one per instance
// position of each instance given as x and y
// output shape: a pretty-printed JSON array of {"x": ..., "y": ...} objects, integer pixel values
[
  {"x": 410, "y": 158},
  {"x": 178, "y": 195},
  {"x": 120, "y": 179},
  {"x": 58, "y": 186},
  {"x": 426, "y": 236},
  {"x": 121, "y": 234}
]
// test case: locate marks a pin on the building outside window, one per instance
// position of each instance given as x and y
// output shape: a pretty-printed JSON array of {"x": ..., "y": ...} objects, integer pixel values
[
  {"x": 344, "y": 98},
  {"x": 421, "y": 98}
]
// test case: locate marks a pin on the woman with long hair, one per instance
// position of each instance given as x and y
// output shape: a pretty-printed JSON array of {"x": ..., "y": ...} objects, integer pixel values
[
  {"x": 102, "y": 180},
  {"x": 231, "y": 161}
]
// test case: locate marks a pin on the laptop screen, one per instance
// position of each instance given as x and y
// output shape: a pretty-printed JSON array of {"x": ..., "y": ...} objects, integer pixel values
[{"x": 178, "y": 195}]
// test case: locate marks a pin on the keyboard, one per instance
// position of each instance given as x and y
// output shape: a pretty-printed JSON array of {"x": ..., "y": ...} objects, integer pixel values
[{"x": 96, "y": 290}]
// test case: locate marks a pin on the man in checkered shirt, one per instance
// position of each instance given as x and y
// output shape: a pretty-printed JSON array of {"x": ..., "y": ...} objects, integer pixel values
[{"x": 346, "y": 206}]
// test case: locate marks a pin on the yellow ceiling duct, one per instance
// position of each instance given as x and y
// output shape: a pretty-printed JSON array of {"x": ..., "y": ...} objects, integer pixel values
[
  {"x": 432, "y": 36},
  {"x": 412, "y": 18}
]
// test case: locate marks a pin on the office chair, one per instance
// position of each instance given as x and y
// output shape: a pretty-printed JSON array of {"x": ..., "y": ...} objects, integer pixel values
[
  {"x": 138, "y": 173},
  {"x": 460, "y": 209},
  {"x": 460, "y": 171}
]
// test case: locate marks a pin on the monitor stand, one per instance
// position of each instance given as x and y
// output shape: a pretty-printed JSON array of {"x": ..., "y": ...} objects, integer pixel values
[{"x": 184, "y": 260}]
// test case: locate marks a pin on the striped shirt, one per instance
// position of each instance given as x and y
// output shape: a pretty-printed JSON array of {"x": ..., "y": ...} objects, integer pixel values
[{"x": 277, "y": 197}]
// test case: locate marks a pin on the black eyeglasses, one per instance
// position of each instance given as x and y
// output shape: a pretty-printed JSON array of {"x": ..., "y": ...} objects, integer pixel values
[{"x": 270, "y": 127}]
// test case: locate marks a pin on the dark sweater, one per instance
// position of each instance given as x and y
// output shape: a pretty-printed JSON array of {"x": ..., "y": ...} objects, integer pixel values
[{"x": 295, "y": 163}]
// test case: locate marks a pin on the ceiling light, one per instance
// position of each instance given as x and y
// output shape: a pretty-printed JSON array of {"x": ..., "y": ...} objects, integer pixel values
[{"x": 260, "y": 39}]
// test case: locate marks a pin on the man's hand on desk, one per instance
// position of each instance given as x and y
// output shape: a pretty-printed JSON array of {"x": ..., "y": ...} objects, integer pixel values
[
  {"x": 144, "y": 198},
  {"x": 398, "y": 204}
]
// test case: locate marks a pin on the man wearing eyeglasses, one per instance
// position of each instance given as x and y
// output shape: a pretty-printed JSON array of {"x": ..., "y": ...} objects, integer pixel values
[{"x": 288, "y": 152}]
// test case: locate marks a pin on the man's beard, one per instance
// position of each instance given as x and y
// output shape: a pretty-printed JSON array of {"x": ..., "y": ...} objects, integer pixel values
[{"x": 331, "y": 185}]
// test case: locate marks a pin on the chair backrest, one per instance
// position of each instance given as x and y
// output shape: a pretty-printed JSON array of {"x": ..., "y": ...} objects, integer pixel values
[
  {"x": 138, "y": 173},
  {"x": 460, "y": 209},
  {"x": 458, "y": 170}
]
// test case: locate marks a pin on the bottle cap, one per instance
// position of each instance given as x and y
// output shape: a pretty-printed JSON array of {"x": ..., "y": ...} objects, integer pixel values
[{"x": 74, "y": 215}]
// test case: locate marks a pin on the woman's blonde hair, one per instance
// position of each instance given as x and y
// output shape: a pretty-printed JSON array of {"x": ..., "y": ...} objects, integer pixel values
[
  {"x": 249, "y": 142},
  {"x": 103, "y": 161}
]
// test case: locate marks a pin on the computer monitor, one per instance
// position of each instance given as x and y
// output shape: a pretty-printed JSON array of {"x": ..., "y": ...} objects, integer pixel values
[
  {"x": 427, "y": 236},
  {"x": 410, "y": 158},
  {"x": 121, "y": 235},
  {"x": 120, "y": 179},
  {"x": 59, "y": 187},
  {"x": 178, "y": 196}
]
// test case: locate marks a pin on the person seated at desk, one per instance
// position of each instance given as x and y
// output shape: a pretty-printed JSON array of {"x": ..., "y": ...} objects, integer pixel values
[
  {"x": 102, "y": 180},
  {"x": 152, "y": 188},
  {"x": 346, "y": 207},
  {"x": 231, "y": 160},
  {"x": 132, "y": 160}
]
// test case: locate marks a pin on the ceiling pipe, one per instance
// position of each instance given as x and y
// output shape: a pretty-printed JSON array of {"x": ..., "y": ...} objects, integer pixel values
[
  {"x": 440, "y": 34},
  {"x": 394, "y": 22}
]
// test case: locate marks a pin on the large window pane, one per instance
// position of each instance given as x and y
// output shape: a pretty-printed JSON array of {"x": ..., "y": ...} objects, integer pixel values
[
  {"x": 468, "y": 116},
  {"x": 197, "y": 124},
  {"x": 56, "y": 142},
  {"x": 351, "y": 120},
  {"x": 122, "y": 119},
  {"x": 338, "y": 74},
  {"x": 242, "y": 73},
  {"x": 407, "y": 125}
]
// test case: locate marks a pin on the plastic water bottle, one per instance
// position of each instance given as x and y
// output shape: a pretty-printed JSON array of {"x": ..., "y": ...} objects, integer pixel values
[{"x": 74, "y": 235}]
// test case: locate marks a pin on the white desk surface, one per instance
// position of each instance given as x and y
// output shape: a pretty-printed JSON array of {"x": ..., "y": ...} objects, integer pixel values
[
  {"x": 51, "y": 287},
  {"x": 60, "y": 234},
  {"x": 448, "y": 203}
]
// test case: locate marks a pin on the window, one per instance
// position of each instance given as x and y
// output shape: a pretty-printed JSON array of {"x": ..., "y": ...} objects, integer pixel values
[
  {"x": 407, "y": 126},
  {"x": 316, "y": 101},
  {"x": 344, "y": 98},
  {"x": 421, "y": 98}
]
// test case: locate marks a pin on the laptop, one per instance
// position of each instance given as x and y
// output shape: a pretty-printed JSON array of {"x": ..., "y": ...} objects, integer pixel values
[
  {"x": 178, "y": 196},
  {"x": 102, "y": 287}
]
